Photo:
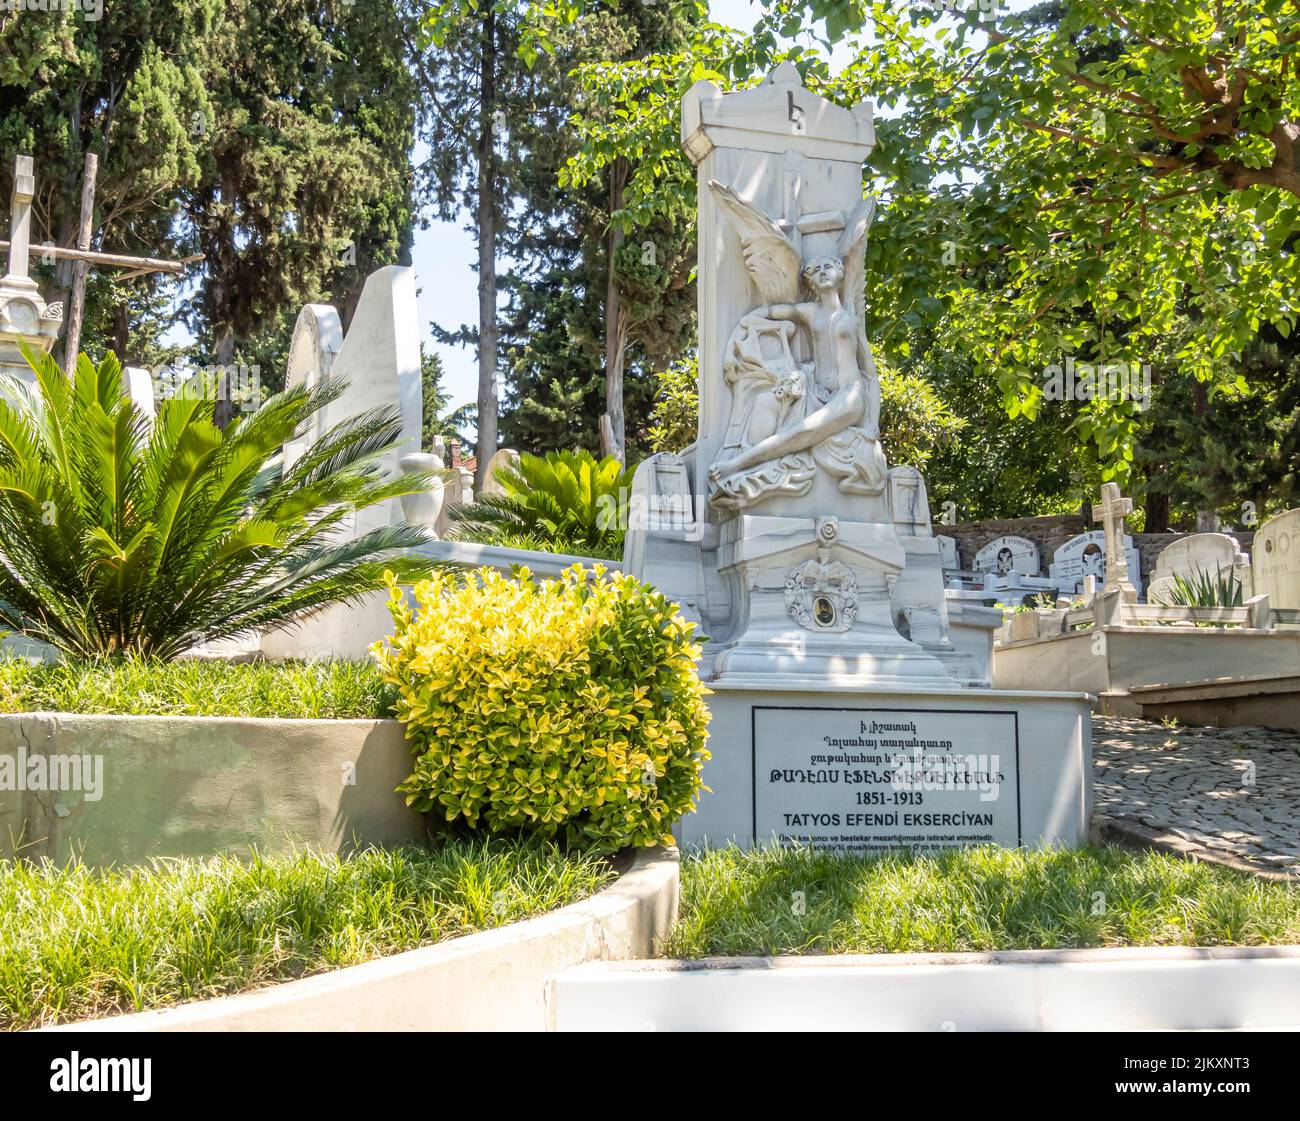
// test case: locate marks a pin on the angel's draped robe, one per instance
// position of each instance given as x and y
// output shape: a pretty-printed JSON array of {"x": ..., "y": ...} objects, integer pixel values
[{"x": 854, "y": 458}]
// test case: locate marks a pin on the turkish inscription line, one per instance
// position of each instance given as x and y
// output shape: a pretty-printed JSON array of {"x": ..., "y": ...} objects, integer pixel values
[{"x": 870, "y": 780}]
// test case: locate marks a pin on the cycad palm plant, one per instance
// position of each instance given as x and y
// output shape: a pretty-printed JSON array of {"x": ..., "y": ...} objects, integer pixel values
[
  {"x": 120, "y": 534},
  {"x": 562, "y": 502}
]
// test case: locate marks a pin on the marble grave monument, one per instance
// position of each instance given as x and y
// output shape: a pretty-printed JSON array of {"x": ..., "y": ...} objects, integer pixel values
[{"x": 850, "y": 696}]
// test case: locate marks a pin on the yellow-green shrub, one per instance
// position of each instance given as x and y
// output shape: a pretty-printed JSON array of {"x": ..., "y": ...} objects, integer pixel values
[{"x": 567, "y": 708}]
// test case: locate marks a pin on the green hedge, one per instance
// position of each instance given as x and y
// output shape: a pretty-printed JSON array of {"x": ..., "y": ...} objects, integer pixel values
[{"x": 570, "y": 708}]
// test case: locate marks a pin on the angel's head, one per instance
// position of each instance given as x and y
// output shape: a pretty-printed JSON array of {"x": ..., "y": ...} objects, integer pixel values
[{"x": 824, "y": 274}]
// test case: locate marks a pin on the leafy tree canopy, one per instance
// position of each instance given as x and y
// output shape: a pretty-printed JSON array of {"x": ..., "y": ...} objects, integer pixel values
[{"x": 1081, "y": 181}]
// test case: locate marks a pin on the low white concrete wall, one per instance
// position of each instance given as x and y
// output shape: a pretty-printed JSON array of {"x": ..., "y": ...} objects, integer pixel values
[
  {"x": 542, "y": 565},
  {"x": 499, "y": 980},
  {"x": 347, "y": 630},
  {"x": 1115, "y": 659},
  {"x": 1140, "y": 989}
]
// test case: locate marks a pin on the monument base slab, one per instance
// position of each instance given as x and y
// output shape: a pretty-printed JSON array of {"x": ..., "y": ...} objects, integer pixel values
[{"x": 870, "y": 771}]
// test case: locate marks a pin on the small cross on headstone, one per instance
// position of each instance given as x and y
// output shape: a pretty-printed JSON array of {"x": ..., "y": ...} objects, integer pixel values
[{"x": 1111, "y": 512}]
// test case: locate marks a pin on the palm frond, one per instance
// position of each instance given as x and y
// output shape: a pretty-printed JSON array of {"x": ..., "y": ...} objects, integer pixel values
[
  {"x": 565, "y": 502},
  {"x": 120, "y": 534}
]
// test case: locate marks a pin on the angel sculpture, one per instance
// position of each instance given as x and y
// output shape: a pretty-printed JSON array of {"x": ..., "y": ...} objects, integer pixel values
[{"x": 789, "y": 418}]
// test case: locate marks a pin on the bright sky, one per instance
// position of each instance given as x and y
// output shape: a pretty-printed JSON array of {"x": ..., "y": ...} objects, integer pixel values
[{"x": 444, "y": 256}]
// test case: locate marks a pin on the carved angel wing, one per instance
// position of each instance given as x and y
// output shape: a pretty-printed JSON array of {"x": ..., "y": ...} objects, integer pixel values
[
  {"x": 773, "y": 263},
  {"x": 853, "y": 252}
]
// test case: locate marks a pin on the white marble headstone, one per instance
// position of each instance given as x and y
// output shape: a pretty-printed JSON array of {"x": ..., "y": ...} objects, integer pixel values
[
  {"x": 380, "y": 361},
  {"x": 504, "y": 457},
  {"x": 1085, "y": 555},
  {"x": 1276, "y": 554},
  {"x": 1005, "y": 555},
  {"x": 949, "y": 557},
  {"x": 317, "y": 336},
  {"x": 909, "y": 502},
  {"x": 1204, "y": 551},
  {"x": 1195, "y": 555},
  {"x": 139, "y": 387}
]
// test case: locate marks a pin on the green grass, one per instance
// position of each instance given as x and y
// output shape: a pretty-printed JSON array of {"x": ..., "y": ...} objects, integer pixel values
[
  {"x": 76, "y": 943},
  {"x": 972, "y": 899},
  {"x": 331, "y": 689}
]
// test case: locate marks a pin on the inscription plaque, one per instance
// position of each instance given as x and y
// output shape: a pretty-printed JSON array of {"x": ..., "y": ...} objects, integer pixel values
[{"x": 874, "y": 779}]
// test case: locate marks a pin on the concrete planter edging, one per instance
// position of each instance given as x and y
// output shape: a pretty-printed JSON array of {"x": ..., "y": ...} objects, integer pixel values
[
  {"x": 491, "y": 981},
  {"x": 200, "y": 785},
  {"x": 1115, "y": 989}
]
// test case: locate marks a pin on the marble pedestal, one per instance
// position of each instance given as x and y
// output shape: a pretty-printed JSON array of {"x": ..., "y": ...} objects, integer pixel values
[
  {"x": 871, "y": 771},
  {"x": 813, "y": 597}
]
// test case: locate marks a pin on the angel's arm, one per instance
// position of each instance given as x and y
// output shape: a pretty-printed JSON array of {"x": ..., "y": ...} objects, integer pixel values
[{"x": 776, "y": 311}]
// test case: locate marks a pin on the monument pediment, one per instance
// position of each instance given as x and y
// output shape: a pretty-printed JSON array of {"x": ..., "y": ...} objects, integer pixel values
[{"x": 804, "y": 121}]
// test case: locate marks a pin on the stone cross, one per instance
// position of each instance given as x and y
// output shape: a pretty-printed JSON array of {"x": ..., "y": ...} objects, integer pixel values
[
  {"x": 794, "y": 222},
  {"x": 18, "y": 288},
  {"x": 25, "y": 318},
  {"x": 20, "y": 224},
  {"x": 1111, "y": 512}
]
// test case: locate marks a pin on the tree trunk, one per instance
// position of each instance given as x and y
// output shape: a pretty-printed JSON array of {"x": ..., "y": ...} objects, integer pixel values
[
  {"x": 76, "y": 307},
  {"x": 122, "y": 329},
  {"x": 225, "y": 408},
  {"x": 1207, "y": 519},
  {"x": 222, "y": 255},
  {"x": 67, "y": 233},
  {"x": 487, "y": 270},
  {"x": 613, "y": 435},
  {"x": 1156, "y": 509}
]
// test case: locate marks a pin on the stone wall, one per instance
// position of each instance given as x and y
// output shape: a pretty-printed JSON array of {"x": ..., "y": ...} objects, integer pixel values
[
  {"x": 1048, "y": 533},
  {"x": 1051, "y": 532}
]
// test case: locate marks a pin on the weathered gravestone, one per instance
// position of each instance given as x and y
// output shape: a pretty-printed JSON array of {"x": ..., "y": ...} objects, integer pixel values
[
  {"x": 949, "y": 556},
  {"x": 504, "y": 457},
  {"x": 1085, "y": 555},
  {"x": 1005, "y": 555},
  {"x": 379, "y": 360},
  {"x": 1195, "y": 556},
  {"x": 1111, "y": 512}
]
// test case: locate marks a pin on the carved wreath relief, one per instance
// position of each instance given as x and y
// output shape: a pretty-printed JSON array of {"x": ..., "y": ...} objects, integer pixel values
[
  {"x": 822, "y": 594},
  {"x": 804, "y": 392}
]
